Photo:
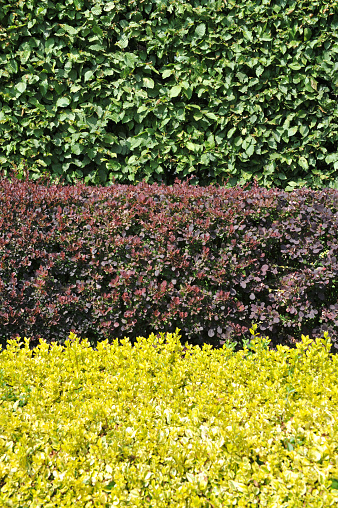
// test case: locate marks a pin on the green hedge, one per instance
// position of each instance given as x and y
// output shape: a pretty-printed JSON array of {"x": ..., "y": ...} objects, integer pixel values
[{"x": 126, "y": 90}]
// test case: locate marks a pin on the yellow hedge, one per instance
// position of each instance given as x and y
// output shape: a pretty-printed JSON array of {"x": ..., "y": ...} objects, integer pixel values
[{"x": 153, "y": 427}]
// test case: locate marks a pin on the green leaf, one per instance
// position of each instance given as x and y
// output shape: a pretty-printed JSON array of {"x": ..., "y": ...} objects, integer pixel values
[
  {"x": 307, "y": 85},
  {"x": 275, "y": 155},
  {"x": 70, "y": 29},
  {"x": 148, "y": 83},
  {"x": 123, "y": 42},
  {"x": 43, "y": 85},
  {"x": 109, "y": 138},
  {"x": 307, "y": 34},
  {"x": 303, "y": 163},
  {"x": 200, "y": 30},
  {"x": 295, "y": 66},
  {"x": 49, "y": 45},
  {"x": 197, "y": 115},
  {"x": 205, "y": 159},
  {"x": 230, "y": 132},
  {"x": 167, "y": 73},
  {"x": 12, "y": 66},
  {"x": 242, "y": 77},
  {"x": 109, "y": 6},
  {"x": 212, "y": 116},
  {"x": 41, "y": 162},
  {"x": 130, "y": 59},
  {"x": 210, "y": 142},
  {"x": 77, "y": 149},
  {"x": 25, "y": 56},
  {"x": 291, "y": 185},
  {"x": 142, "y": 108},
  {"x": 59, "y": 88},
  {"x": 180, "y": 114},
  {"x": 175, "y": 91},
  {"x": 21, "y": 87},
  {"x": 269, "y": 169},
  {"x": 249, "y": 140},
  {"x": 75, "y": 88},
  {"x": 97, "y": 30},
  {"x": 276, "y": 136},
  {"x": 292, "y": 131},
  {"x": 332, "y": 157},
  {"x": 88, "y": 75},
  {"x": 96, "y": 47},
  {"x": 135, "y": 142},
  {"x": 132, "y": 159},
  {"x": 250, "y": 150},
  {"x": 63, "y": 102},
  {"x": 188, "y": 92},
  {"x": 190, "y": 146},
  {"x": 247, "y": 35},
  {"x": 96, "y": 10},
  {"x": 259, "y": 70}
]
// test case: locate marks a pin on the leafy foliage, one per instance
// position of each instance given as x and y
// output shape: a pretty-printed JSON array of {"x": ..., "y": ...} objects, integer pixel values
[
  {"x": 158, "y": 424},
  {"x": 103, "y": 262},
  {"x": 131, "y": 91}
]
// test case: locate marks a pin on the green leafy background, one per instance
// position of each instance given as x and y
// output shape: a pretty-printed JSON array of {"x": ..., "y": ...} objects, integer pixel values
[{"x": 126, "y": 91}]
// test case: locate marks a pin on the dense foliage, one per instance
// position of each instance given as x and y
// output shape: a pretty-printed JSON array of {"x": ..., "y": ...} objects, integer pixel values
[
  {"x": 159, "y": 425},
  {"x": 106, "y": 262},
  {"x": 133, "y": 90}
]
